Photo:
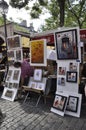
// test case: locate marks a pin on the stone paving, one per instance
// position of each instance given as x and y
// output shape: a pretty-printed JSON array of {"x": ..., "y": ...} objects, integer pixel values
[{"x": 26, "y": 116}]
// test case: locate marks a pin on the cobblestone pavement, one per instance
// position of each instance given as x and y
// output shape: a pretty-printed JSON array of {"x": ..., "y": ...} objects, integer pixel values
[{"x": 25, "y": 116}]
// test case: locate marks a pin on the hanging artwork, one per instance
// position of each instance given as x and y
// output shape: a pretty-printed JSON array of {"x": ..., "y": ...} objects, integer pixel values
[
  {"x": 71, "y": 76},
  {"x": 66, "y": 44},
  {"x": 38, "y": 52}
]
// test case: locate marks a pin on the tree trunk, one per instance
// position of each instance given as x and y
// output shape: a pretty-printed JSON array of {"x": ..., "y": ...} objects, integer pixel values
[{"x": 62, "y": 12}]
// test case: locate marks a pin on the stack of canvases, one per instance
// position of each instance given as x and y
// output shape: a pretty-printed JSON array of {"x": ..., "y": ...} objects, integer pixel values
[
  {"x": 67, "y": 99},
  {"x": 13, "y": 76}
]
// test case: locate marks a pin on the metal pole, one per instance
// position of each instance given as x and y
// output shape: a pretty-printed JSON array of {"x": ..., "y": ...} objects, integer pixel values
[{"x": 5, "y": 29}]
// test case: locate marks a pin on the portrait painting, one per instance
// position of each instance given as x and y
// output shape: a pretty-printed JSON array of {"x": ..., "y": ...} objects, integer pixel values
[
  {"x": 19, "y": 55},
  {"x": 66, "y": 44},
  {"x": 59, "y": 102},
  {"x": 73, "y": 66},
  {"x": 38, "y": 52}
]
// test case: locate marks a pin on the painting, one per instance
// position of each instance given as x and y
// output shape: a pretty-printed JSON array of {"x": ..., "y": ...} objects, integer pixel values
[
  {"x": 72, "y": 103},
  {"x": 33, "y": 85},
  {"x": 13, "y": 42},
  {"x": 9, "y": 75},
  {"x": 73, "y": 107},
  {"x": 71, "y": 76},
  {"x": 61, "y": 81},
  {"x": 38, "y": 74},
  {"x": 59, "y": 102},
  {"x": 19, "y": 55},
  {"x": 38, "y": 52},
  {"x": 9, "y": 94},
  {"x": 41, "y": 86},
  {"x": 73, "y": 66},
  {"x": 66, "y": 44},
  {"x": 16, "y": 75},
  {"x": 62, "y": 70}
]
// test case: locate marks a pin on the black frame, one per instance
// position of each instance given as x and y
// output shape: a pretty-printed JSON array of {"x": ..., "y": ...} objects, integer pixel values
[
  {"x": 70, "y": 106},
  {"x": 62, "y": 97},
  {"x": 65, "y": 48},
  {"x": 69, "y": 76}
]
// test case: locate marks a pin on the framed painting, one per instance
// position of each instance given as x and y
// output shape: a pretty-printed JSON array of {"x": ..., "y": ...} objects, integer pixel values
[
  {"x": 16, "y": 75},
  {"x": 60, "y": 103},
  {"x": 38, "y": 74},
  {"x": 9, "y": 94},
  {"x": 71, "y": 76},
  {"x": 66, "y": 44},
  {"x": 72, "y": 103},
  {"x": 38, "y": 52},
  {"x": 13, "y": 42},
  {"x": 19, "y": 55},
  {"x": 9, "y": 74},
  {"x": 73, "y": 107}
]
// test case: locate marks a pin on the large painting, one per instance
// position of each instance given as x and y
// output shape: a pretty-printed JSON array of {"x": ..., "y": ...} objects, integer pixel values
[
  {"x": 38, "y": 52},
  {"x": 66, "y": 44}
]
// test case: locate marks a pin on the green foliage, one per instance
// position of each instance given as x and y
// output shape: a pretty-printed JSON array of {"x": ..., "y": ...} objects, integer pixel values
[{"x": 72, "y": 15}]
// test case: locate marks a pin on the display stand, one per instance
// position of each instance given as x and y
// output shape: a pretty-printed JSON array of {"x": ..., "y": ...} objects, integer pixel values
[
  {"x": 13, "y": 76},
  {"x": 37, "y": 87},
  {"x": 68, "y": 59}
]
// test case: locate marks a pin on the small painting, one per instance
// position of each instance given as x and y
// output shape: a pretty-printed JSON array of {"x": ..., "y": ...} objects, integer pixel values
[
  {"x": 59, "y": 102},
  {"x": 61, "y": 81},
  {"x": 73, "y": 66},
  {"x": 62, "y": 70},
  {"x": 71, "y": 76},
  {"x": 38, "y": 74},
  {"x": 72, "y": 104}
]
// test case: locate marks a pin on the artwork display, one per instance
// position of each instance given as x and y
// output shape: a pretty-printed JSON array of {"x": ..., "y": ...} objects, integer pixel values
[
  {"x": 66, "y": 44},
  {"x": 13, "y": 42},
  {"x": 9, "y": 94},
  {"x": 38, "y": 74},
  {"x": 41, "y": 86},
  {"x": 38, "y": 53},
  {"x": 71, "y": 76}
]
